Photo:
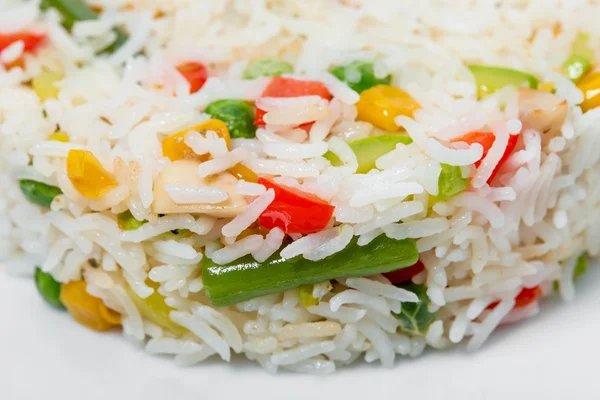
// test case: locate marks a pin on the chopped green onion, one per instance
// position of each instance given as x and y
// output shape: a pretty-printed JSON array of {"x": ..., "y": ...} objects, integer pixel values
[
  {"x": 267, "y": 67},
  {"x": 247, "y": 278}
]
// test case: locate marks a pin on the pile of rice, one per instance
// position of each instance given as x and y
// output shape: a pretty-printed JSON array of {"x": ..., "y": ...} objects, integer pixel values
[{"x": 482, "y": 246}]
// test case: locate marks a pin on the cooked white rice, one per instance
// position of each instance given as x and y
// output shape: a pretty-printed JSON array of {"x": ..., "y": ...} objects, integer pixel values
[{"x": 479, "y": 248}]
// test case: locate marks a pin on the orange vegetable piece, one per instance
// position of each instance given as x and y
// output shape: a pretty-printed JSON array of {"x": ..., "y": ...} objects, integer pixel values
[
  {"x": 175, "y": 149},
  {"x": 87, "y": 175},
  {"x": 381, "y": 104},
  {"x": 86, "y": 309}
]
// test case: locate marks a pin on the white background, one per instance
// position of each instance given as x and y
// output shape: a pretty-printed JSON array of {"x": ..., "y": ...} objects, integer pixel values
[{"x": 44, "y": 356}]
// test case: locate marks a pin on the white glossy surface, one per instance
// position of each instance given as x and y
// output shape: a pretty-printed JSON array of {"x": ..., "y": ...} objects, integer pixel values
[{"x": 44, "y": 355}]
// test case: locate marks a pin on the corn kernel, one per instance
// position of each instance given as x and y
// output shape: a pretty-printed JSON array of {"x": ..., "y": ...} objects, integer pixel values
[
  {"x": 381, "y": 104},
  {"x": 590, "y": 86}
]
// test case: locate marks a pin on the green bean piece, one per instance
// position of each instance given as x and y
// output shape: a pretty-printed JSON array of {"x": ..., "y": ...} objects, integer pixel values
[
  {"x": 39, "y": 193},
  {"x": 247, "y": 278},
  {"x": 48, "y": 288}
]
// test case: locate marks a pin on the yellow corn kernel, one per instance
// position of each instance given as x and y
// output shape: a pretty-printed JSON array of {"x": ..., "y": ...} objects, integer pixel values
[
  {"x": 59, "y": 136},
  {"x": 546, "y": 87},
  {"x": 242, "y": 172},
  {"x": 44, "y": 84},
  {"x": 86, "y": 309},
  {"x": 87, "y": 174},
  {"x": 175, "y": 149},
  {"x": 590, "y": 86},
  {"x": 380, "y": 104}
]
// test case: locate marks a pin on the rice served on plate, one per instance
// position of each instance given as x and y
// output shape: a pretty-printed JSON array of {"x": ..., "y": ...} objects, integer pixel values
[{"x": 302, "y": 182}]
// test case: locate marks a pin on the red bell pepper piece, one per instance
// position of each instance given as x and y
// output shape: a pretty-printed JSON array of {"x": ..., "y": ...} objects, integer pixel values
[
  {"x": 486, "y": 139},
  {"x": 288, "y": 87},
  {"x": 30, "y": 40},
  {"x": 195, "y": 73},
  {"x": 405, "y": 274},
  {"x": 523, "y": 299},
  {"x": 294, "y": 211}
]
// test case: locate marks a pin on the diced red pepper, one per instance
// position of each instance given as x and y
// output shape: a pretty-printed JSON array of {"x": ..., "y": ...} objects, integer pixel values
[
  {"x": 288, "y": 87},
  {"x": 524, "y": 298},
  {"x": 295, "y": 211},
  {"x": 405, "y": 274},
  {"x": 486, "y": 139},
  {"x": 30, "y": 40},
  {"x": 195, "y": 73}
]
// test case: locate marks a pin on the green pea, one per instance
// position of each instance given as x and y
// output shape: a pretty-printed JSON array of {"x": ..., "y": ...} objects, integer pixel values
[
  {"x": 237, "y": 115},
  {"x": 267, "y": 67},
  {"x": 48, "y": 287},
  {"x": 39, "y": 193},
  {"x": 127, "y": 221},
  {"x": 359, "y": 75}
]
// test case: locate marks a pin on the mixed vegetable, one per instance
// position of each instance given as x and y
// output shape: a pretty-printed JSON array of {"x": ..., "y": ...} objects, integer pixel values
[
  {"x": 293, "y": 211},
  {"x": 247, "y": 278}
]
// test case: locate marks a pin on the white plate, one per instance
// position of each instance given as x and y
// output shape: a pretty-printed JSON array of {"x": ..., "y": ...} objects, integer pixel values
[{"x": 45, "y": 355}]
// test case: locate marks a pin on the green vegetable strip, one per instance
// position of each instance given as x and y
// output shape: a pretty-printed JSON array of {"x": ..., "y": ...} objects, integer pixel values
[
  {"x": 451, "y": 182},
  {"x": 267, "y": 67},
  {"x": 490, "y": 79},
  {"x": 39, "y": 193},
  {"x": 415, "y": 318},
  {"x": 359, "y": 75},
  {"x": 237, "y": 115},
  {"x": 369, "y": 149},
  {"x": 246, "y": 278},
  {"x": 76, "y": 10},
  {"x": 48, "y": 288}
]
